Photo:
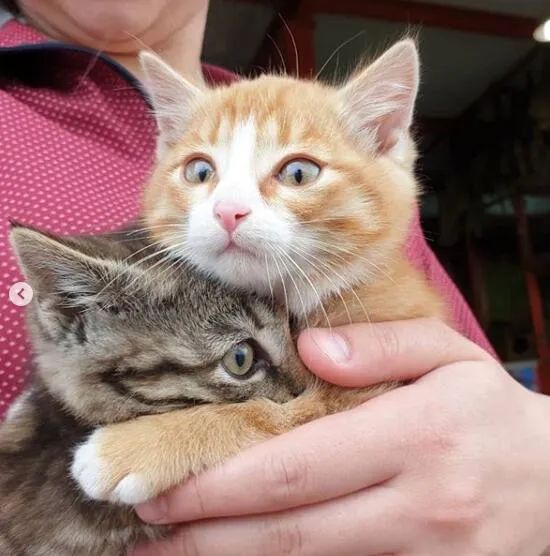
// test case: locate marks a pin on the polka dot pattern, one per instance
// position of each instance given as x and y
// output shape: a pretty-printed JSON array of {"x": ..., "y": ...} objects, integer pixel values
[
  {"x": 74, "y": 156},
  {"x": 14, "y": 33},
  {"x": 77, "y": 145}
]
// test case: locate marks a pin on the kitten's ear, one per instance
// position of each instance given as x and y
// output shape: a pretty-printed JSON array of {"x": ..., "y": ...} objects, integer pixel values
[
  {"x": 378, "y": 102},
  {"x": 57, "y": 270},
  {"x": 172, "y": 97}
]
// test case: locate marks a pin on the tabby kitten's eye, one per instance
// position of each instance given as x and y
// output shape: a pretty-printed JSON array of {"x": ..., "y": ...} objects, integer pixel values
[
  {"x": 239, "y": 360},
  {"x": 299, "y": 172},
  {"x": 198, "y": 170}
]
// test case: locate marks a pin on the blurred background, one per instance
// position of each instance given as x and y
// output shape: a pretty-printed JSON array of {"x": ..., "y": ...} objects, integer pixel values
[{"x": 483, "y": 126}]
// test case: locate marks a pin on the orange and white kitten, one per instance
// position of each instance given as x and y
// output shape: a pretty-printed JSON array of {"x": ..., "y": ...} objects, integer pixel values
[
  {"x": 281, "y": 187},
  {"x": 294, "y": 188}
]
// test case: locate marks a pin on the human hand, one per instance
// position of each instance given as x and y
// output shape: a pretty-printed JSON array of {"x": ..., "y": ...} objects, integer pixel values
[{"x": 456, "y": 463}]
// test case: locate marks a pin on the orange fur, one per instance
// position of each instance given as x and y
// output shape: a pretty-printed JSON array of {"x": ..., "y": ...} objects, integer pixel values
[
  {"x": 360, "y": 216},
  {"x": 367, "y": 205},
  {"x": 165, "y": 449}
]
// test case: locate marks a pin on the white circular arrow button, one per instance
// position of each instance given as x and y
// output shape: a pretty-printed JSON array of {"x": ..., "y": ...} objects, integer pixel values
[{"x": 21, "y": 294}]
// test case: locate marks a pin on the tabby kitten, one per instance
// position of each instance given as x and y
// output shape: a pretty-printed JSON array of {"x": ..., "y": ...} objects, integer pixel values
[
  {"x": 115, "y": 341},
  {"x": 287, "y": 188}
]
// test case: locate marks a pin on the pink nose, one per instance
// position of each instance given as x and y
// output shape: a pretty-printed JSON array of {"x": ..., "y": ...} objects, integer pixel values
[{"x": 230, "y": 214}]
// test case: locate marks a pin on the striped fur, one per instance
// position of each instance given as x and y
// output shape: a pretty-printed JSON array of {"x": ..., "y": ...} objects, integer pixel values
[{"x": 115, "y": 341}]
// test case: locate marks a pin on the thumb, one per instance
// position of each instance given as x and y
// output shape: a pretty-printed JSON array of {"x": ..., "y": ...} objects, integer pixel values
[{"x": 360, "y": 355}]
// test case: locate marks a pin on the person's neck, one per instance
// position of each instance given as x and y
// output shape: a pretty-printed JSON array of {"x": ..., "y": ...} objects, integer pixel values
[{"x": 182, "y": 51}]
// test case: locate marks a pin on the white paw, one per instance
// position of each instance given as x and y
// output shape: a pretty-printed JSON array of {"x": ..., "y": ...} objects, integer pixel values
[
  {"x": 133, "y": 489},
  {"x": 88, "y": 470},
  {"x": 91, "y": 472}
]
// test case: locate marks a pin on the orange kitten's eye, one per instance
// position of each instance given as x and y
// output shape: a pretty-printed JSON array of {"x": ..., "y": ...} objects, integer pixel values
[
  {"x": 299, "y": 172},
  {"x": 198, "y": 170}
]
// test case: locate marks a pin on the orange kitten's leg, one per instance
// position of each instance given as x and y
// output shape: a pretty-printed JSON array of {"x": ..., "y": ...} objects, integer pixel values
[{"x": 134, "y": 461}]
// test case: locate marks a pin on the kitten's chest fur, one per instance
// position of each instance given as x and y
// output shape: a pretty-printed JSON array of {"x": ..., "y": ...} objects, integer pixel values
[
  {"x": 42, "y": 510},
  {"x": 400, "y": 292}
]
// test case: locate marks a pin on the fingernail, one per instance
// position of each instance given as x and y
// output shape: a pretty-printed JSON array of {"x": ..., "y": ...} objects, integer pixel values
[
  {"x": 332, "y": 344},
  {"x": 154, "y": 511}
]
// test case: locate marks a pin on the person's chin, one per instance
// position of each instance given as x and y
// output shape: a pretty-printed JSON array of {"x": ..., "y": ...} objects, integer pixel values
[{"x": 114, "y": 24}]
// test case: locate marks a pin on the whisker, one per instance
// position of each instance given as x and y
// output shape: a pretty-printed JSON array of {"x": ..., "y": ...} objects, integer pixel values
[
  {"x": 322, "y": 307},
  {"x": 176, "y": 265},
  {"x": 274, "y": 42},
  {"x": 163, "y": 260},
  {"x": 136, "y": 263},
  {"x": 269, "y": 279},
  {"x": 321, "y": 220},
  {"x": 141, "y": 43},
  {"x": 330, "y": 248},
  {"x": 337, "y": 49},
  {"x": 293, "y": 43},
  {"x": 145, "y": 229},
  {"x": 336, "y": 289},
  {"x": 349, "y": 287},
  {"x": 283, "y": 284},
  {"x": 90, "y": 66},
  {"x": 298, "y": 292}
]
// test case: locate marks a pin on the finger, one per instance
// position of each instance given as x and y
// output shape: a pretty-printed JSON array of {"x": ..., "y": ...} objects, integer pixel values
[
  {"x": 363, "y": 354},
  {"x": 300, "y": 467},
  {"x": 355, "y": 525}
]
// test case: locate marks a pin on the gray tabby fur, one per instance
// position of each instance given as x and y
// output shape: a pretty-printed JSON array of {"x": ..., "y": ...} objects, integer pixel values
[{"x": 115, "y": 340}]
